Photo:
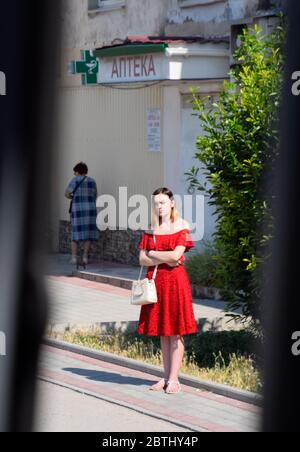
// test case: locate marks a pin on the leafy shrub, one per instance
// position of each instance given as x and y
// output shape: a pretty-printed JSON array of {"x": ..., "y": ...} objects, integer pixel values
[
  {"x": 202, "y": 268},
  {"x": 205, "y": 347},
  {"x": 237, "y": 151}
]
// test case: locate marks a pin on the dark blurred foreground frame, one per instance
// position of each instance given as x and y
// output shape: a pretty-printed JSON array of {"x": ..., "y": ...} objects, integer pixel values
[
  {"x": 282, "y": 382},
  {"x": 28, "y": 42},
  {"x": 29, "y": 39}
]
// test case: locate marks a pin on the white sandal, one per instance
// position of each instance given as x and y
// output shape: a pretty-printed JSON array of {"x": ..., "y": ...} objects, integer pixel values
[
  {"x": 173, "y": 383},
  {"x": 158, "y": 386}
]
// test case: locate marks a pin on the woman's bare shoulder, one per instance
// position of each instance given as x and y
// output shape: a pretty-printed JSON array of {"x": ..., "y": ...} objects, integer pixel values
[
  {"x": 181, "y": 225},
  {"x": 176, "y": 227},
  {"x": 186, "y": 224}
]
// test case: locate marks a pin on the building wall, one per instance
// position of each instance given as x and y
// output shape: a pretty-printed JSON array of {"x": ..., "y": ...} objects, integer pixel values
[
  {"x": 85, "y": 30},
  {"x": 211, "y": 19},
  {"x": 82, "y": 30},
  {"x": 106, "y": 128},
  {"x": 154, "y": 17}
]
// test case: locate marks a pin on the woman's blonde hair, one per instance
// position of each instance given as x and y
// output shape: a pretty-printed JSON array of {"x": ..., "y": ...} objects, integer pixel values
[{"x": 175, "y": 215}]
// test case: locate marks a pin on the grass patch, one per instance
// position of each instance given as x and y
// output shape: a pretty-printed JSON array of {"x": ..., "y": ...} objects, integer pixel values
[{"x": 233, "y": 366}]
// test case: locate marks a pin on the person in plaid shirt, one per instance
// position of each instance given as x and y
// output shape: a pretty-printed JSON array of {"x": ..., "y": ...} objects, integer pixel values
[{"x": 82, "y": 190}]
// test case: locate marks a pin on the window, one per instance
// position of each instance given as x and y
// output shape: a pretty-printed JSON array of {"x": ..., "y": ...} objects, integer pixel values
[
  {"x": 235, "y": 42},
  {"x": 105, "y": 5},
  {"x": 189, "y": 3}
]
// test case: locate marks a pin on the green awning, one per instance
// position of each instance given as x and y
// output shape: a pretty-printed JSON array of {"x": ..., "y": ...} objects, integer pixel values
[{"x": 135, "y": 49}]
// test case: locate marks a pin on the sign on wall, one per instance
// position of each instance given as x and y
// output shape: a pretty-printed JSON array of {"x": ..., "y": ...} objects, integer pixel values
[
  {"x": 154, "y": 130},
  {"x": 131, "y": 68},
  {"x": 180, "y": 62},
  {"x": 88, "y": 67}
]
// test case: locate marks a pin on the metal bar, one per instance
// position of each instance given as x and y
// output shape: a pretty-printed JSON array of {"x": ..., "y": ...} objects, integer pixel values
[
  {"x": 28, "y": 55},
  {"x": 282, "y": 367}
]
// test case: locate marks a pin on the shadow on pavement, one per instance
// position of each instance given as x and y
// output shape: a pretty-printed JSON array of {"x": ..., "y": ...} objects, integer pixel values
[{"x": 108, "y": 377}]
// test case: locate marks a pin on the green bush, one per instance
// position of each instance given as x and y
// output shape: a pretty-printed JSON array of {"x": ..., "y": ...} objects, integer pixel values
[
  {"x": 238, "y": 149},
  {"x": 202, "y": 268},
  {"x": 200, "y": 348},
  {"x": 205, "y": 347}
]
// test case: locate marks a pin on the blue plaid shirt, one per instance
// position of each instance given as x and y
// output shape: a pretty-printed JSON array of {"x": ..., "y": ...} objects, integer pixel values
[{"x": 84, "y": 212}]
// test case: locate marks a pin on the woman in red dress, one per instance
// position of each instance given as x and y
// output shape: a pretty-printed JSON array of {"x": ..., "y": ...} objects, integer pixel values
[{"x": 173, "y": 316}]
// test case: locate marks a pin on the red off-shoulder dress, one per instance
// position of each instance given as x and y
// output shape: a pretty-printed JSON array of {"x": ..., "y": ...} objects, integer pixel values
[{"x": 173, "y": 314}]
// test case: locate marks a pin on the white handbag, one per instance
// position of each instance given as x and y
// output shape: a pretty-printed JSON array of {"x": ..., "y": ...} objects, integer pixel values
[{"x": 144, "y": 291}]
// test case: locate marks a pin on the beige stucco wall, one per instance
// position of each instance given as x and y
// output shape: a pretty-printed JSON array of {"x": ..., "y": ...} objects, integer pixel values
[
  {"x": 106, "y": 128},
  {"x": 151, "y": 17},
  {"x": 83, "y": 30}
]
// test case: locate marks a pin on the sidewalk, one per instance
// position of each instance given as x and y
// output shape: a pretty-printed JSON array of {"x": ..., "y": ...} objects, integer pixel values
[
  {"x": 77, "y": 303},
  {"x": 193, "y": 409},
  {"x": 60, "y": 408}
]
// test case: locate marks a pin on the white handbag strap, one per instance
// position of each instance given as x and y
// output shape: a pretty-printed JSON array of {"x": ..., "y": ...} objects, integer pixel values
[{"x": 156, "y": 268}]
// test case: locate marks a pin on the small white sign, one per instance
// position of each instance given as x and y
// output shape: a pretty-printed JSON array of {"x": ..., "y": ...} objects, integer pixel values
[
  {"x": 2, "y": 84},
  {"x": 154, "y": 130},
  {"x": 2, "y": 344}
]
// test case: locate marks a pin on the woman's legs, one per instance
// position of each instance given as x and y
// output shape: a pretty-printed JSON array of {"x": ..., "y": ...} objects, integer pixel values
[
  {"x": 74, "y": 250},
  {"x": 165, "y": 348},
  {"x": 172, "y": 351},
  {"x": 176, "y": 359},
  {"x": 86, "y": 248}
]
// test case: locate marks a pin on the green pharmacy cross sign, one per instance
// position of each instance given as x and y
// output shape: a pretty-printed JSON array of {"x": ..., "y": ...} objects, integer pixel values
[{"x": 88, "y": 67}]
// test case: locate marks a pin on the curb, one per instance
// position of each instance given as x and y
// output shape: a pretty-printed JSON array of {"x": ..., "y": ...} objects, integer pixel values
[
  {"x": 216, "y": 388},
  {"x": 198, "y": 291},
  {"x": 114, "y": 281},
  {"x": 204, "y": 324},
  {"x": 129, "y": 326}
]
